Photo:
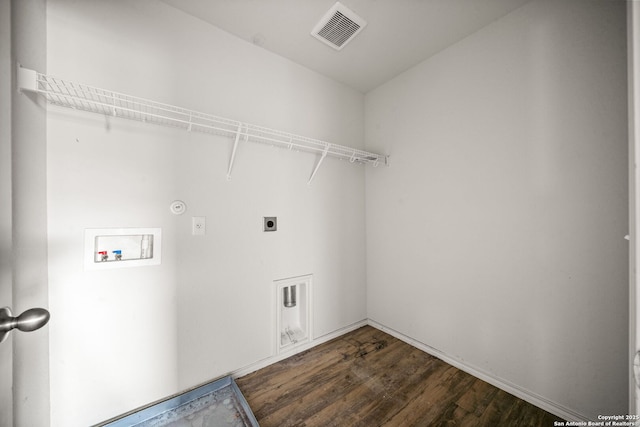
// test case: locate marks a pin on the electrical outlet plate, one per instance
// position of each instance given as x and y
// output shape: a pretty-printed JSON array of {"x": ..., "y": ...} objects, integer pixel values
[{"x": 198, "y": 225}]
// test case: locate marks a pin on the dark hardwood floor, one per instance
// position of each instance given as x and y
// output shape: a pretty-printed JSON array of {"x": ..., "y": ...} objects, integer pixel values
[{"x": 369, "y": 378}]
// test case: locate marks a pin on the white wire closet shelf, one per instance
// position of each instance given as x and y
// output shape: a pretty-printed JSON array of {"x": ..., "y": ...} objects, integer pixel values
[{"x": 87, "y": 98}]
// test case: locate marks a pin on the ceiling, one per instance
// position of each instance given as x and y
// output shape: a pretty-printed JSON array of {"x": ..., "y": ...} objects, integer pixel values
[{"x": 399, "y": 33}]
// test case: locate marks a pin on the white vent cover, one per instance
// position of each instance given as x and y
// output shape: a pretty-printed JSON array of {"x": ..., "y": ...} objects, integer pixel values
[{"x": 338, "y": 26}]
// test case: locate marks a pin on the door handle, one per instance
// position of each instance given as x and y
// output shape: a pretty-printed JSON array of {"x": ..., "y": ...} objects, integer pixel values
[{"x": 28, "y": 321}]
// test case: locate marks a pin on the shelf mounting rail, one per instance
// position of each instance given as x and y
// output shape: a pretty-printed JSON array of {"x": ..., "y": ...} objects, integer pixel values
[{"x": 87, "y": 98}]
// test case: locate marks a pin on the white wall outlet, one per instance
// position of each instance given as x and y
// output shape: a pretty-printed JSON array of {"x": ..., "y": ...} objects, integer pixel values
[{"x": 198, "y": 225}]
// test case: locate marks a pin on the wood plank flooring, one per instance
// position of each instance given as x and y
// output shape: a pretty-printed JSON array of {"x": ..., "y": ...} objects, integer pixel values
[{"x": 368, "y": 378}]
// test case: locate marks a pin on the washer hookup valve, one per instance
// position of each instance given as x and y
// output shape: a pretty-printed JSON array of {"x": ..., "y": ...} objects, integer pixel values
[
  {"x": 103, "y": 255},
  {"x": 118, "y": 254}
]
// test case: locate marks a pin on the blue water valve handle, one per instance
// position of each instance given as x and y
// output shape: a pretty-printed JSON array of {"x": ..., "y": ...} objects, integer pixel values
[{"x": 118, "y": 254}]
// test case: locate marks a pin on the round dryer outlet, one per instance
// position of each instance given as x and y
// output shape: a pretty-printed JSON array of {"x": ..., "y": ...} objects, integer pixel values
[{"x": 178, "y": 207}]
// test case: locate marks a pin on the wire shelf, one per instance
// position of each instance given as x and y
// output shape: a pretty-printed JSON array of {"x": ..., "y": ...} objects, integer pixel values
[{"x": 101, "y": 101}]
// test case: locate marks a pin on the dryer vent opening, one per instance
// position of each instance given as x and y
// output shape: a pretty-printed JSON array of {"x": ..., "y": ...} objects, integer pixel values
[{"x": 338, "y": 26}]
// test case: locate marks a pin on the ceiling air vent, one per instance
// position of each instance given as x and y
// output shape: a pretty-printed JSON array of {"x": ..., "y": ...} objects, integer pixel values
[{"x": 338, "y": 26}]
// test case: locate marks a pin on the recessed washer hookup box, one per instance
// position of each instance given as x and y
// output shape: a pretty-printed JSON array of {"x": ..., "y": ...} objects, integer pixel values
[{"x": 107, "y": 248}]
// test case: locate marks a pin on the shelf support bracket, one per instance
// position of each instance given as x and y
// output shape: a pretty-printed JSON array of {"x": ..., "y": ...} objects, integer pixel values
[
  {"x": 324, "y": 154},
  {"x": 27, "y": 79},
  {"x": 233, "y": 152},
  {"x": 113, "y": 102}
]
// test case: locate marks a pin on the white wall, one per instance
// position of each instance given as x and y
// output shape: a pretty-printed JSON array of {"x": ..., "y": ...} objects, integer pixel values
[
  {"x": 496, "y": 237},
  {"x": 113, "y": 333},
  {"x": 123, "y": 338},
  {"x": 225, "y": 297}
]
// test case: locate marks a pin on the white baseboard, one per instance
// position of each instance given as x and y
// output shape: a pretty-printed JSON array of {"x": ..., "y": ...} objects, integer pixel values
[
  {"x": 298, "y": 349},
  {"x": 526, "y": 395}
]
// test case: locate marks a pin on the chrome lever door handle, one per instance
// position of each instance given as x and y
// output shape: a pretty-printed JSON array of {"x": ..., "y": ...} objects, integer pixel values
[{"x": 28, "y": 321}]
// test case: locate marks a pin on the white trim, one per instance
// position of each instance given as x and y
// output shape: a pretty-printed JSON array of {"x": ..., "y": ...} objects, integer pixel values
[
  {"x": 524, "y": 394},
  {"x": 277, "y": 358},
  {"x": 633, "y": 65}
]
